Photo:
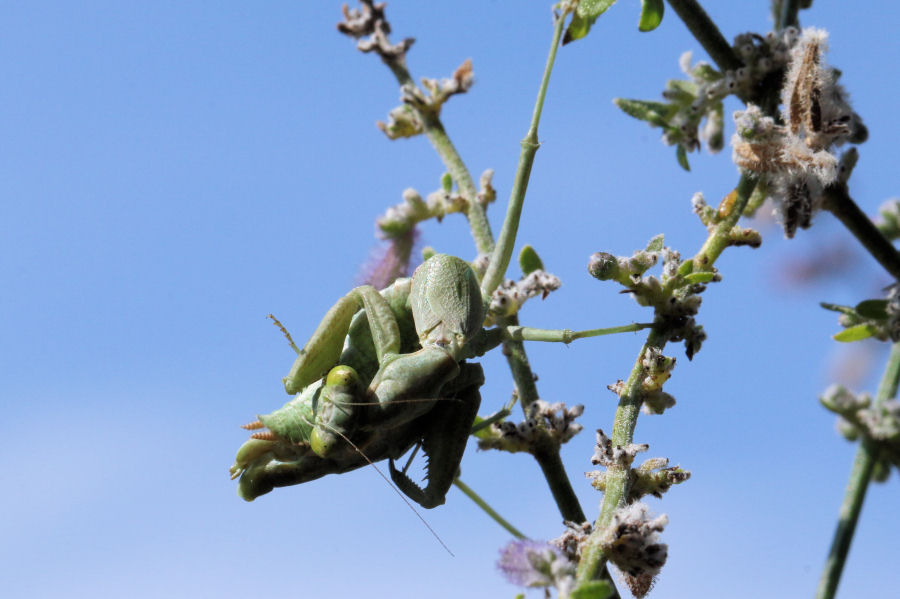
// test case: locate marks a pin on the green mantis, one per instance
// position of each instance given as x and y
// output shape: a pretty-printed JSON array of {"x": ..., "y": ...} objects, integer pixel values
[{"x": 384, "y": 371}]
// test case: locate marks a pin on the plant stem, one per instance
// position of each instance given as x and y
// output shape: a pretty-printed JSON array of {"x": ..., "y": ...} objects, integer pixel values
[
  {"x": 860, "y": 476},
  {"x": 788, "y": 16},
  {"x": 547, "y": 456},
  {"x": 565, "y": 335},
  {"x": 487, "y": 508},
  {"x": 630, "y": 398},
  {"x": 720, "y": 238},
  {"x": 840, "y": 204},
  {"x": 504, "y": 248},
  {"x": 437, "y": 135},
  {"x": 478, "y": 222},
  {"x": 706, "y": 32},
  {"x": 592, "y": 557}
]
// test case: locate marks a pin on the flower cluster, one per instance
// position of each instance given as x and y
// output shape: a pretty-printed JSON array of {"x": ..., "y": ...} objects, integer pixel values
[
  {"x": 859, "y": 416},
  {"x": 572, "y": 540},
  {"x": 544, "y": 421},
  {"x": 675, "y": 297},
  {"x": 606, "y": 454},
  {"x": 371, "y": 24},
  {"x": 693, "y": 109},
  {"x": 652, "y": 477},
  {"x": 400, "y": 218},
  {"x": 437, "y": 92},
  {"x": 537, "y": 564},
  {"x": 406, "y": 120},
  {"x": 398, "y": 226},
  {"x": 797, "y": 159},
  {"x": 631, "y": 542},
  {"x": 508, "y": 298}
]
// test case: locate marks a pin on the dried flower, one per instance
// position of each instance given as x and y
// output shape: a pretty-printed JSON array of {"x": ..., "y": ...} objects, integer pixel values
[
  {"x": 631, "y": 542},
  {"x": 370, "y": 21},
  {"x": 544, "y": 421},
  {"x": 797, "y": 159},
  {"x": 509, "y": 297}
]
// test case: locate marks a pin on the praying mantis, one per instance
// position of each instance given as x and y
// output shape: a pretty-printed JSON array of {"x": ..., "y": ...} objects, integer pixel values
[
  {"x": 396, "y": 377},
  {"x": 384, "y": 372}
]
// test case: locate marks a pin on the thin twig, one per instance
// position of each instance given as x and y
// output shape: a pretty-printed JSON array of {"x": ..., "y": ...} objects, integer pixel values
[
  {"x": 706, "y": 32},
  {"x": 503, "y": 251},
  {"x": 841, "y": 205},
  {"x": 476, "y": 498}
]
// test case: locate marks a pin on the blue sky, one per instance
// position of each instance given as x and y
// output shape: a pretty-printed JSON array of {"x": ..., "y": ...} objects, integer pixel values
[{"x": 173, "y": 172}]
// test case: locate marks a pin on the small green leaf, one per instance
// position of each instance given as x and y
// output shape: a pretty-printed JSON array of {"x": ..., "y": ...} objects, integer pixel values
[
  {"x": 699, "y": 277},
  {"x": 874, "y": 309},
  {"x": 855, "y": 333},
  {"x": 838, "y": 308},
  {"x": 655, "y": 113},
  {"x": 656, "y": 243},
  {"x": 447, "y": 182},
  {"x": 428, "y": 252},
  {"x": 686, "y": 267},
  {"x": 705, "y": 72},
  {"x": 583, "y": 19},
  {"x": 595, "y": 589},
  {"x": 651, "y": 14},
  {"x": 681, "y": 155},
  {"x": 529, "y": 261},
  {"x": 681, "y": 91}
]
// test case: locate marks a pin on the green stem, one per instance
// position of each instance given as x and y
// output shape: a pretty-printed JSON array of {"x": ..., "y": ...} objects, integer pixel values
[
  {"x": 720, "y": 238},
  {"x": 504, "y": 248},
  {"x": 592, "y": 557},
  {"x": 555, "y": 473},
  {"x": 478, "y": 222},
  {"x": 453, "y": 162},
  {"x": 547, "y": 456},
  {"x": 840, "y": 204},
  {"x": 517, "y": 359},
  {"x": 860, "y": 476},
  {"x": 706, "y": 32},
  {"x": 565, "y": 335},
  {"x": 630, "y": 398},
  {"x": 487, "y": 508}
]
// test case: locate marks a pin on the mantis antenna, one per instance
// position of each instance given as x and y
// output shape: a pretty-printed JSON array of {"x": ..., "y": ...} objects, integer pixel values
[{"x": 392, "y": 486}]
